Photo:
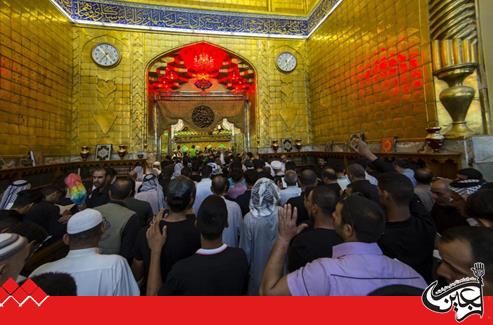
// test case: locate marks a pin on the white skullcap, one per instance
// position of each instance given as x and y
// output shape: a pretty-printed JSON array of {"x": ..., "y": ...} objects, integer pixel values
[
  {"x": 276, "y": 164},
  {"x": 10, "y": 244},
  {"x": 84, "y": 220}
]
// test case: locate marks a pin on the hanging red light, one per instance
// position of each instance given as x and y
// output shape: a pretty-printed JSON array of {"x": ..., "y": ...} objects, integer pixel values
[{"x": 203, "y": 60}]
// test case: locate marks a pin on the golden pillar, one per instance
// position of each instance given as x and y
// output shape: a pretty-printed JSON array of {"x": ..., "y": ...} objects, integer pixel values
[{"x": 454, "y": 52}]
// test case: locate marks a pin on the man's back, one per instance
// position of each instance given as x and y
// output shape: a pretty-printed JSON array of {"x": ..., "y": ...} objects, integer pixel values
[
  {"x": 203, "y": 191},
  {"x": 117, "y": 216},
  {"x": 182, "y": 241},
  {"x": 95, "y": 274},
  {"x": 412, "y": 242},
  {"x": 356, "y": 269},
  {"x": 150, "y": 197},
  {"x": 289, "y": 192},
  {"x": 299, "y": 203},
  {"x": 231, "y": 233},
  {"x": 219, "y": 272},
  {"x": 142, "y": 208},
  {"x": 244, "y": 201},
  {"x": 310, "y": 245},
  {"x": 42, "y": 213}
]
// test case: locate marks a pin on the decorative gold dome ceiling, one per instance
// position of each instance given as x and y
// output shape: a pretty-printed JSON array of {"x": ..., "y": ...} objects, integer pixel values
[{"x": 278, "y": 7}]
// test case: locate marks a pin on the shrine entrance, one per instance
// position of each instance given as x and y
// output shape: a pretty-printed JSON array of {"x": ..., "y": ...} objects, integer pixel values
[{"x": 201, "y": 95}]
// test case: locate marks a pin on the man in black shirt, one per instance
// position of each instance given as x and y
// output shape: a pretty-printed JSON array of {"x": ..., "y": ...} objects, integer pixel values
[
  {"x": 22, "y": 204},
  {"x": 215, "y": 269},
  {"x": 359, "y": 183},
  {"x": 183, "y": 238},
  {"x": 243, "y": 200},
  {"x": 409, "y": 238},
  {"x": 329, "y": 179},
  {"x": 98, "y": 190},
  {"x": 317, "y": 242},
  {"x": 47, "y": 215},
  {"x": 142, "y": 208},
  {"x": 308, "y": 178}
]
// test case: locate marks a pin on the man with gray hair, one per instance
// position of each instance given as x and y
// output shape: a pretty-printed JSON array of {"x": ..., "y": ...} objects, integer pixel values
[
  {"x": 292, "y": 189},
  {"x": 14, "y": 250}
]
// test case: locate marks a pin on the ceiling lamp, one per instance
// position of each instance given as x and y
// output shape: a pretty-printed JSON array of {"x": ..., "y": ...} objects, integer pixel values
[{"x": 202, "y": 60}]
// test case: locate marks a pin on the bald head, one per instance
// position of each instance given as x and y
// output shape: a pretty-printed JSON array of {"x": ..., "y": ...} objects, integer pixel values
[
  {"x": 291, "y": 178},
  {"x": 308, "y": 178},
  {"x": 219, "y": 185},
  {"x": 121, "y": 188},
  {"x": 356, "y": 172},
  {"x": 440, "y": 192},
  {"x": 423, "y": 176}
]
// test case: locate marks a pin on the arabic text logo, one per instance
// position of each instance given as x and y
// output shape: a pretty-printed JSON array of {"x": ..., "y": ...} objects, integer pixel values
[{"x": 465, "y": 296}]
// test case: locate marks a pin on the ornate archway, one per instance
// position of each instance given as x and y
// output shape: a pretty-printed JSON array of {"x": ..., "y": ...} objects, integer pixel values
[{"x": 200, "y": 85}]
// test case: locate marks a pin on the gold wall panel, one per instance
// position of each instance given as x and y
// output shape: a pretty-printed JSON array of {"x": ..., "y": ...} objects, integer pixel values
[
  {"x": 485, "y": 12},
  {"x": 281, "y": 109},
  {"x": 281, "y": 7},
  {"x": 370, "y": 70},
  {"x": 35, "y": 78}
]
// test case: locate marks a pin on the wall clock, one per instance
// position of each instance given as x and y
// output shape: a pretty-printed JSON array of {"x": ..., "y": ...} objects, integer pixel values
[
  {"x": 105, "y": 55},
  {"x": 286, "y": 62}
]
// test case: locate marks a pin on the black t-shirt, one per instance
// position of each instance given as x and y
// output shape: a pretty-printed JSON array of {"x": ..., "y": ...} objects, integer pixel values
[
  {"x": 41, "y": 214},
  {"x": 98, "y": 197},
  {"x": 183, "y": 241},
  {"x": 243, "y": 201},
  {"x": 299, "y": 203},
  {"x": 411, "y": 242},
  {"x": 335, "y": 187},
  {"x": 366, "y": 188},
  {"x": 221, "y": 274},
  {"x": 310, "y": 245},
  {"x": 446, "y": 217}
]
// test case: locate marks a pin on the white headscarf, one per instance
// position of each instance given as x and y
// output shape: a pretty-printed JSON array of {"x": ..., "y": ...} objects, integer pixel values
[
  {"x": 265, "y": 198},
  {"x": 10, "y": 193},
  {"x": 150, "y": 183}
]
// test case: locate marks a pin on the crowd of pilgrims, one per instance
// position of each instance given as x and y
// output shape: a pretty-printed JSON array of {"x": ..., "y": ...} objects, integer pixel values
[{"x": 218, "y": 223}]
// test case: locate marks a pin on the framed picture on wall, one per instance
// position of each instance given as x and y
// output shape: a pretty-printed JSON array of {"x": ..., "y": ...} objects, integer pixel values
[
  {"x": 103, "y": 151},
  {"x": 287, "y": 145}
]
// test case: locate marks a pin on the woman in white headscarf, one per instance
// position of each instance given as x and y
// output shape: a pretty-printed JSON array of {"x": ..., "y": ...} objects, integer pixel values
[
  {"x": 10, "y": 194},
  {"x": 259, "y": 229},
  {"x": 151, "y": 192}
]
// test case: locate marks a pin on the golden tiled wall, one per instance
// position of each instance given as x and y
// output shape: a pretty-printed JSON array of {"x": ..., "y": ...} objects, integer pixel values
[
  {"x": 118, "y": 95},
  {"x": 370, "y": 70},
  {"x": 35, "y": 78},
  {"x": 282, "y": 7}
]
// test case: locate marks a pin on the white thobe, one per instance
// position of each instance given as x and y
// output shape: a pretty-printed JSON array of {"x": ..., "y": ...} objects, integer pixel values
[
  {"x": 202, "y": 192},
  {"x": 95, "y": 274},
  {"x": 231, "y": 234}
]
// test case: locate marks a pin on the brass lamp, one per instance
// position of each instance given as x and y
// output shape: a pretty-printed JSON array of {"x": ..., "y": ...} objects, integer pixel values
[
  {"x": 454, "y": 52},
  {"x": 275, "y": 145},
  {"x": 122, "y": 151}
]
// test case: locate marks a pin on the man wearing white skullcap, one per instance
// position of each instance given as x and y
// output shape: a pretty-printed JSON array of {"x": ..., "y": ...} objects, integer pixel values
[
  {"x": 14, "y": 250},
  {"x": 95, "y": 274}
]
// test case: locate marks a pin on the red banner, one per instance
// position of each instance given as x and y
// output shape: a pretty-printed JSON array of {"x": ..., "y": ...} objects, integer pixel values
[{"x": 232, "y": 310}]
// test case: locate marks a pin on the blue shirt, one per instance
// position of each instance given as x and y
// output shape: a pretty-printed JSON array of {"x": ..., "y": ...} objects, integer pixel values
[{"x": 355, "y": 269}]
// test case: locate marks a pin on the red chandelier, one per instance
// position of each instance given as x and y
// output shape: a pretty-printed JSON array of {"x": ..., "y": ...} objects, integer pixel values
[
  {"x": 202, "y": 60},
  {"x": 203, "y": 63}
]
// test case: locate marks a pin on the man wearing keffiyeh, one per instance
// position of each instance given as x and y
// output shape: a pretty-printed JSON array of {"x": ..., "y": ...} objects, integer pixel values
[{"x": 259, "y": 230}]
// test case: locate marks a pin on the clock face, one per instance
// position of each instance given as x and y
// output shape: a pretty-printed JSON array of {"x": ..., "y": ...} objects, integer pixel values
[
  {"x": 105, "y": 55},
  {"x": 286, "y": 62}
]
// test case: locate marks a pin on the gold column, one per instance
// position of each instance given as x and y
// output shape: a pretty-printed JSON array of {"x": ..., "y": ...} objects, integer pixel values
[{"x": 454, "y": 52}]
